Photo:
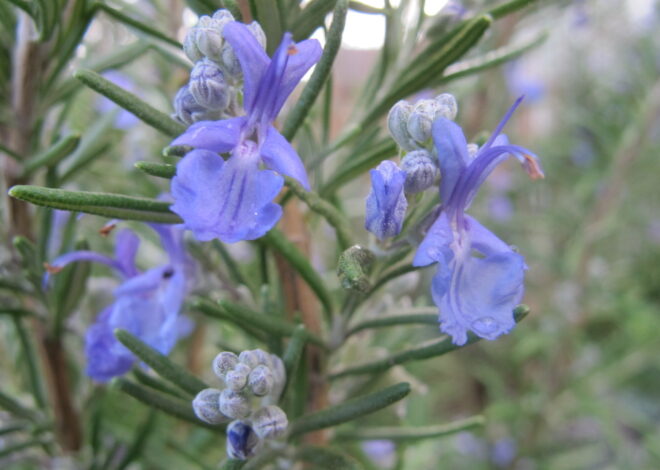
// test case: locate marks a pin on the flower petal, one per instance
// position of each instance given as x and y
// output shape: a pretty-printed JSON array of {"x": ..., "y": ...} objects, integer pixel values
[
  {"x": 197, "y": 193},
  {"x": 386, "y": 203},
  {"x": 436, "y": 244},
  {"x": 453, "y": 157},
  {"x": 481, "y": 296},
  {"x": 106, "y": 357},
  {"x": 126, "y": 246},
  {"x": 251, "y": 56},
  {"x": 279, "y": 155},
  {"x": 218, "y": 136}
]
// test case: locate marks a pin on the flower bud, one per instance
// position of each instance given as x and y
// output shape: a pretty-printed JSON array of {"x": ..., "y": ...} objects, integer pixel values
[
  {"x": 447, "y": 106},
  {"x": 206, "y": 406},
  {"x": 420, "y": 171},
  {"x": 261, "y": 380},
  {"x": 386, "y": 203},
  {"x": 208, "y": 86},
  {"x": 254, "y": 357},
  {"x": 269, "y": 422},
  {"x": 237, "y": 378},
  {"x": 205, "y": 38},
  {"x": 242, "y": 441},
  {"x": 234, "y": 404},
  {"x": 188, "y": 111},
  {"x": 397, "y": 123},
  {"x": 223, "y": 363}
]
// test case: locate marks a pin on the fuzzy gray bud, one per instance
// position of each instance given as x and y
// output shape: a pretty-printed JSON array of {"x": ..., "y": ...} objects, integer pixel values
[
  {"x": 254, "y": 357},
  {"x": 261, "y": 380},
  {"x": 257, "y": 31},
  {"x": 205, "y": 38},
  {"x": 188, "y": 111},
  {"x": 269, "y": 422},
  {"x": 397, "y": 123},
  {"x": 472, "y": 149},
  {"x": 420, "y": 171},
  {"x": 242, "y": 441},
  {"x": 208, "y": 85},
  {"x": 237, "y": 378},
  {"x": 206, "y": 406},
  {"x": 234, "y": 404},
  {"x": 424, "y": 112},
  {"x": 223, "y": 363}
]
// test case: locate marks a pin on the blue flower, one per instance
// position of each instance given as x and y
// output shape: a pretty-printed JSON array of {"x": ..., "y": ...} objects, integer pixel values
[
  {"x": 386, "y": 203},
  {"x": 473, "y": 292},
  {"x": 232, "y": 200},
  {"x": 146, "y": 304}
]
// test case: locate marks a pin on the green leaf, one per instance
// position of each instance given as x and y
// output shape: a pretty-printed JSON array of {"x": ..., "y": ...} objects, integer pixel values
[
  {"x": 267, "y": 14},
  {"x": 394, "y": 320},
  {"x": 327, "y": 458},
  {"x": 415, "y": 433},
  {"x": 270, "y": 324},
  {"x": 156, "y": 384},
  {"x": 434, "y": 348},
  {"x": 233, "y": 464},
  {"x": 294, "y": 352},
  {"x": 161, "y": 170},
  {"x": 349, "y": 410},
  {"x": 310, "y": 18},
  {"x": 68, "y": 289},
  {"x": 142, "y": 434},
  {"x": 509, "y": 7},
  {"x": 320, "y": 74},
  {"x": 113, "y": 206},
  {"x": 36, "y": 382},
  {"x": 140, "y": 26},
  {"x": 50, "y": 157},
  {"x": 8, "y": 450},
  {"x": 16, "y": 408},
  {"x": 161, "y": 364},
  {"x": 316, "y": 203},
  {"x": 177, "y": 408},
  {"x": 276, "y": 240},
  {"x": 130, "y": 102}
]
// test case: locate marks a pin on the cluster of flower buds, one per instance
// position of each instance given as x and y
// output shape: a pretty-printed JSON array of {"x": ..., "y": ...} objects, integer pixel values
[
  {"x": 252, "y": 376},
  {"x": 410, "y": 126},
  {"x": 217, "y": 73}
]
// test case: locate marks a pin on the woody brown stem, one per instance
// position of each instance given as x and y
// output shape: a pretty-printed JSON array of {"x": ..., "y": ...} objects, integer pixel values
[{"x": 299, "y": 298}]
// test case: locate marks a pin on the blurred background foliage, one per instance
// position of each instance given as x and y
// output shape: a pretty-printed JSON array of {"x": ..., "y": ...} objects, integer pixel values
[{"x": 575, "y": 385}]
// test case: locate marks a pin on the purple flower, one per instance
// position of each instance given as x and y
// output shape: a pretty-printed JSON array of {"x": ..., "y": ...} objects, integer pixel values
[
  {"x": 146, "y": 304},
  {"x": 473, "y": 293},
  {"x": 232, "y": 200},
  {"x": 386, "y": 203}
]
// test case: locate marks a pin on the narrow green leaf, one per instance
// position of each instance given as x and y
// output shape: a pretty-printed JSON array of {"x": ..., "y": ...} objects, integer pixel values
[
  {"x": 270, "y": 324},
  {"x": 161, "y": 170},
  {"x": 23, "y": 5},
  {"x": 14, "y": 407},
  {"x": 144, "y": 111},
  {"x": 233, "y": 464},
  {"x": 69, "y": 287},
  {"x": 310, "y": 18},
  {"x": 320, "y": 74},
  {"x": 268, "y": 16},
  {"x": 30, "y": 261},
  {"x": 357, "y": 165},
  {"x": 142, "y": 434},
  {"x": 213, "y": 310},
  {"x": 140, "y": 26},
  {"x": 327, "y": 458},
  {"x": 233, "y": 7},
  {"x": 10, "y": 152},
  {"x": 50, "y": 157},
  {"x": 16, "y": 287},
  {"x": 363, "y": 8},
  {"x": 177, "y": 408},
  {"x": 489, "y": 60},
  {"x": 300, "y": 263},
  {"x": 113, "y": 206},
  {"x": 394, "y": 320},
  {"x": 326, "y": 210},
  {"x": 12, "y": 428},
  {"x": 36, "y": 382},
  {"x": 161, "y": 386},
  {"x": 161, "y": 364},
  {"x": 16, "y": 312},
  {"x": 509, "y": 7},
  {"x": 8, "y": 450},
  {"x": 293, "y": 353},
  {"x": 434, "y": 348},
  {"x": 393, "y": 274},
  {"x": 349, "y": 410},
  {"x": 400, "y": 433}
]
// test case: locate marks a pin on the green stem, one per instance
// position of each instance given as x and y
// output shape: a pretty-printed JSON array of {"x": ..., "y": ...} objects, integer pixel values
[
  {"x": 399, "y": 433},
  {"x": 394, "y": 320},
  {"x": 293, "y": 353}
]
